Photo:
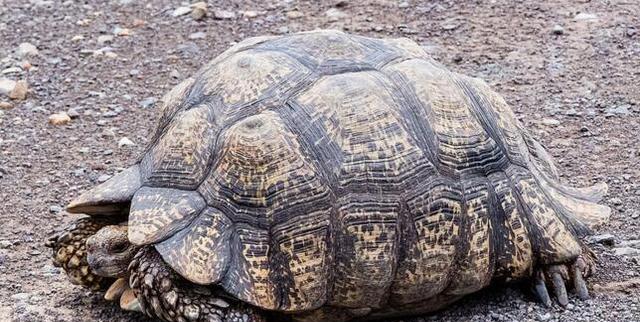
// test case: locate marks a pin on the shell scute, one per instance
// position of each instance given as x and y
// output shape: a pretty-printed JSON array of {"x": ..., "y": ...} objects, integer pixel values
[{"x": 158, "y": 213}]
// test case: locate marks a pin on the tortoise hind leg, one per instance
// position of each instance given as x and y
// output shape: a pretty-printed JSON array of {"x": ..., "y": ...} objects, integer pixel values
[
  {"x": 556, "y": 276},
  {"x": 555, "y": 222}
]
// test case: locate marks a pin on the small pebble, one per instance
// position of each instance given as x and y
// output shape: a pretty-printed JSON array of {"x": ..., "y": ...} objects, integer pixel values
[
  {"x": 60, "y": 118},
  {"x": 12, "y": 70},
  {"x": 124, "y": 142},
  {"x": 110, "y": 54},
  {"x": 21, "y": 297},
  {"x": 181, "y": 11},
  {"x": 224, "y": 15},
  {"x": 550, "y": 122},
  {"x": 121, "y": 31},
  {"x": 585, "y": 16},
  {"x": 626, "y": 251},
  {"x": 544, "y": 317},
  {"x": 250, "y": 14},
  {"x": 104, "y": 39},
  {"x": 199, "y": 10},
  {"x": 335, "y": 14},
  {"x": 148, "y": 102},
  {"x": 283, "y": 30},
  {"x": 110, "y": 114},
  {"x": 604, "y": 239},
  {"x": 5, "y": 106},
  {"x": 197, "y": 35},
  {"x": 55, "y": 209},
  {"x": 615, "y": 201},
  {"x": 558, "y": 30},
  {"x": 7, "y": 86},
  {"x": 175, "y": 74},
  {"x": 294, "y": 14},
  {"x": 26, "y": 49},
  {"x": 20, "y": 91}
]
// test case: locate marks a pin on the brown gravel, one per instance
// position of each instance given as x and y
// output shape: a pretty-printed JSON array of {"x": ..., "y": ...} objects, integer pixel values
[{"x": 571, "y": 78}]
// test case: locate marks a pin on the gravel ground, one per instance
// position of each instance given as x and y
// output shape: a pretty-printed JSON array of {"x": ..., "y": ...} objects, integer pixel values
[{"x": 570, "y": 69}]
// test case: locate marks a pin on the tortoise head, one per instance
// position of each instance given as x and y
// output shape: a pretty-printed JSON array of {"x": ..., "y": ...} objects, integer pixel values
[
  {"x": 109, "y": 251},
  {"x": 107, "y": 205}
]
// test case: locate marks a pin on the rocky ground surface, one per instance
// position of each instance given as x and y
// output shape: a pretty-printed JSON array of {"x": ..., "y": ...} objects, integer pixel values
[{"x": 79, "y": 82}]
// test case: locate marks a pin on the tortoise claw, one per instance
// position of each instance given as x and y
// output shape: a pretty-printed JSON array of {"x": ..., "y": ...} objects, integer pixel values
[
  {"x": 540, "y": 289},
  {"x": 579, "y": 270},
  {"x": 559, "y": 289}
]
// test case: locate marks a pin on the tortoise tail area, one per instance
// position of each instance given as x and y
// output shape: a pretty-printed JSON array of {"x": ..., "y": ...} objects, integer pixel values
[
  {"x": 534, "y": 219},
  {"x": 579, "y": 207},
  {"x": 537, "y": 220}
]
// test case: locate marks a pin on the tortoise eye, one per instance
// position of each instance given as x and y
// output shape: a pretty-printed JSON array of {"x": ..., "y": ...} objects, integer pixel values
[{"x": 119, "y": 247}]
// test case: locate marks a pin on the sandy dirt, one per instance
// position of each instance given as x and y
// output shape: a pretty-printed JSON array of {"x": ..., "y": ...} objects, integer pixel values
[{"x": 569, "y": 69}]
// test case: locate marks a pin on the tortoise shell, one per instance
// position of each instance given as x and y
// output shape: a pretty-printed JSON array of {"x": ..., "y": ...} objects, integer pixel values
[{"x": 325, "y": 169}]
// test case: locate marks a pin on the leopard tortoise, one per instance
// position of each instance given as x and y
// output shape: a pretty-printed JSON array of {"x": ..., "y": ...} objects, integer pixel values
[{"x": 322, "y": 176}]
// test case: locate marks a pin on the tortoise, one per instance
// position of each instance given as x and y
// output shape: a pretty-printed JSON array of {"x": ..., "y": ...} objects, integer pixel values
[{"x": 325, "y": 176}]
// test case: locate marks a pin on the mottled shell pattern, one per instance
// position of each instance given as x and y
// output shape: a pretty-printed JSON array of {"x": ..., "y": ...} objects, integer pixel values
[{"x": 325, "y": 169}]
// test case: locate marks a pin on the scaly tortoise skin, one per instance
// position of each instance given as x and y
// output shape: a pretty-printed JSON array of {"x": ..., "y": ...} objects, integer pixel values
[{"x": 324, "y": 176}]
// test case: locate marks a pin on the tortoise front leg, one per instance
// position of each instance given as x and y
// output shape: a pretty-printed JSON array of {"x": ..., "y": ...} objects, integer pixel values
[
  {"x": 162, "y": 293},
  {"x": 70, "y": 251}
]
